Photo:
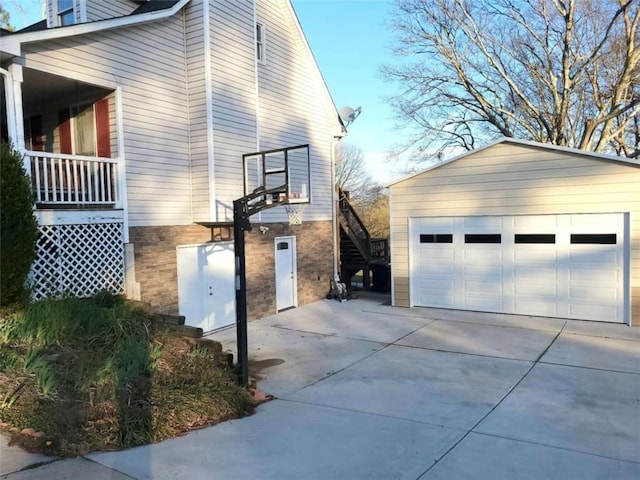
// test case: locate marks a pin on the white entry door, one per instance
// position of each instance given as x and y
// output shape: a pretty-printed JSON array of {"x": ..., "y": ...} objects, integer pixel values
[
  {"x": 206, "y": 288},
  {"x": 286, "y": 285}
]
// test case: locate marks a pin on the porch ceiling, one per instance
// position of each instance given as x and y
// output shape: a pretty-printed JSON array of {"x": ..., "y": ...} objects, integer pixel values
[{"x": 38, "y": 86}]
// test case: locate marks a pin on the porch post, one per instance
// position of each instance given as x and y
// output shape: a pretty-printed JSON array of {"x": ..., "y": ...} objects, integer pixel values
[
  {"x": 8, "y": 96},
  {"x": 15, "y": 75}
]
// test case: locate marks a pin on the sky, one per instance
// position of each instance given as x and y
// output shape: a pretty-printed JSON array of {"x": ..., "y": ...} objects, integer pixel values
[{"x": 350, "y": 41}]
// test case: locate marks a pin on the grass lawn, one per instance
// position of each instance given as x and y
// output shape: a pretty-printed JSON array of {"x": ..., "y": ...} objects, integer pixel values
[{"x": 84, "y": 375}]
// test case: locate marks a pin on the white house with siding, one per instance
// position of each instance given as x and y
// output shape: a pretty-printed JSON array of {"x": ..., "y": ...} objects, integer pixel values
[
  {"x": 134, "y": 117},
  {"x": 520, "y": 227}
]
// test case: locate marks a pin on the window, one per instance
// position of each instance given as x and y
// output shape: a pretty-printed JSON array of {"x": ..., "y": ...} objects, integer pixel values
[
  {"x": 84, "y": 130},
  {"x": 533, "y": 238},
  {"x": 593, "y": 238},
  {"x": 260, "y": 43},
  {"x": 66, "y": 14},
  {"x": 436, "y": 238},
  {"x": 482, "y": 238},
  {"x": 33, "y": 138}
]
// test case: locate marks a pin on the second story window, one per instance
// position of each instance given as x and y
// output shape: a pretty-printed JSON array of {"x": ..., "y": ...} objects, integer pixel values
[
  {"x": 66, "y": 15},
  {"x": 260, "y": 43}
]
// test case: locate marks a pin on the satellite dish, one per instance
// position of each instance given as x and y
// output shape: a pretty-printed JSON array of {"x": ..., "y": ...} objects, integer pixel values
[{"x": 348, "y": 114}]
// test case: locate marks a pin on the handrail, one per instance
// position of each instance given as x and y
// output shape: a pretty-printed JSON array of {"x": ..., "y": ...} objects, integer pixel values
[
  {"x": 356, "y": 229},
  {"x": 63, "y": 179},
  {"x": 379, "y": 248},
  {"x": 372, "y": 249}
]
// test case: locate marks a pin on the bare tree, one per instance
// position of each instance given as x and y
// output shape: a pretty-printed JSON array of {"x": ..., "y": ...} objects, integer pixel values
[
  {"x": 351, "y": 173},
  {"x": 559, "y": 71},
  {"x": 368, "y": 197},
  {"x": 373, "y": 208}
]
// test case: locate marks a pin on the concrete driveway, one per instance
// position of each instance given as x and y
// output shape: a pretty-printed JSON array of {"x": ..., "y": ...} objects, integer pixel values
[{"x": 367, "y": 391}]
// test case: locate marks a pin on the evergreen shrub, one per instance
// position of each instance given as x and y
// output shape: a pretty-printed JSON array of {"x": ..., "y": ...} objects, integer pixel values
[{"x": 18, "y": 227}]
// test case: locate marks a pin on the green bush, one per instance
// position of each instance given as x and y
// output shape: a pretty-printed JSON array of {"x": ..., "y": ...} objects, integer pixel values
[{"x": 18, "y": 226}]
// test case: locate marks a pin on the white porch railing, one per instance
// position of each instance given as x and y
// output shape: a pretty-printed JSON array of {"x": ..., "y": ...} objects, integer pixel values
[{"x": 61, "y": 179}]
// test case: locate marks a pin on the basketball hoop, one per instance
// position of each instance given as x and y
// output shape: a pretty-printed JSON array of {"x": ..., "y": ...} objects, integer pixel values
[{"x": 295, "y": 212}]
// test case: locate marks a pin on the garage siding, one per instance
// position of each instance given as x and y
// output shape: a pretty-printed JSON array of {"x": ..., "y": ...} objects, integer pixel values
[{"x": 515, "y": 179}]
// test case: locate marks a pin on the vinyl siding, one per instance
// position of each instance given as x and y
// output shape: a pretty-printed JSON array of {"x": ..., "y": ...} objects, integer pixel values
[
  {"x": 292, "y": 107},
  {"x": 509, "y": 179},
  {"x": 165, "y": 110},
  {"x": 154, "y": 100},
  {"x": 103, "y": 9}
]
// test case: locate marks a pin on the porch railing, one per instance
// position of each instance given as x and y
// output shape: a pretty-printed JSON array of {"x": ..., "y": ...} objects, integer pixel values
[{"x": 73, "y": 180}]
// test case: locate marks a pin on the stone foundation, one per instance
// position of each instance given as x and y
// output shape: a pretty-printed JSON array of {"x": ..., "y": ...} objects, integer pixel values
[
  {"x": 314, "y": 248},
  {"x": 156, "y": 263}
]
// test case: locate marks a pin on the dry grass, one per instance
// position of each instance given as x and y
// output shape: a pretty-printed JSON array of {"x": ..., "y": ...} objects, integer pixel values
[{"x": 98, "y": 375}]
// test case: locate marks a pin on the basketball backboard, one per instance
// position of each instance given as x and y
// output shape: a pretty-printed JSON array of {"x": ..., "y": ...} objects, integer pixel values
[{"x": 283, "y": 174}]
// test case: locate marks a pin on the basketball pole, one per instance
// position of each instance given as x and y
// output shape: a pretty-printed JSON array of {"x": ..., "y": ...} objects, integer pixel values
[
  {"x": 243, "y": 209},
  {"x": 240, "y": 222}
]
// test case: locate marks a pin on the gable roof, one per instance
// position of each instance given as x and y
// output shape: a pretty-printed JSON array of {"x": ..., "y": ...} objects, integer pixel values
[
  {"x": 531, "y": 144},
  {"x": 154, "y": 6},
  {"x": 148, "y": 12}
]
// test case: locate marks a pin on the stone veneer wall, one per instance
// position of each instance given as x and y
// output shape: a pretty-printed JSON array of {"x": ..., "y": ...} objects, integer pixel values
[
  {"x": 156, "y": 263},
  {"x": 314, "y": 247}
]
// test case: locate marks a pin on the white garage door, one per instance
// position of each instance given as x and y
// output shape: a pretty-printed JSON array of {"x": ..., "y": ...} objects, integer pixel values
[{"x": 568, "y": 266}]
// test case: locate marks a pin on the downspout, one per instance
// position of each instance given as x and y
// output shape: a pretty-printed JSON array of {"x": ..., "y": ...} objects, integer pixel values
[
  {"x": 256, "y": 84},
  {"x": 256, "y": 78},
  {"x": 334, "y": 210},
  {"x": 208, "y": 94},
  {"x": 122, "y": 169},
  {"x": 131, "y": 286}
]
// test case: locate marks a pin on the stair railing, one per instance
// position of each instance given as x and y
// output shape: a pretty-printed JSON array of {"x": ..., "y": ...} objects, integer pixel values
[
  {"x": 379, "y": 250},
  {"x": 354, "y": 227}
]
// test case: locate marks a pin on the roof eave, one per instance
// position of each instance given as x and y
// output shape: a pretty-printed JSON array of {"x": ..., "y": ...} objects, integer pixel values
[{"x": 12, "y": 43}]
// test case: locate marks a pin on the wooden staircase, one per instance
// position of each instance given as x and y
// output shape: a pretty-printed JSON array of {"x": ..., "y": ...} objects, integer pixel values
[{"x": 358, "y": 250}]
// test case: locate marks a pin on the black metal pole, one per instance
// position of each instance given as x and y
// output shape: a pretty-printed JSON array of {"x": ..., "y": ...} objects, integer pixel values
[{"x": 239, "y": 223}]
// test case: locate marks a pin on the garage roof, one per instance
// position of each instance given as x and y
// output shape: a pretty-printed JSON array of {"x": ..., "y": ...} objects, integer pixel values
[{"x": 527, "y": 143}]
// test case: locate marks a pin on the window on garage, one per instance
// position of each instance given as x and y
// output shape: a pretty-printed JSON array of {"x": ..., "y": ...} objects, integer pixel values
[
  {"x": 436, "y": 238},
  {"x": 534, "y": 238},
  {"x": 594, "y": 238},
  {"x": 483, "y": 238}
]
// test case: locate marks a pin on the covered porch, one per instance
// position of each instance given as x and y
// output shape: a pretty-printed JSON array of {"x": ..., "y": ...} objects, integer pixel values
[{"x": 70, "y": 137}]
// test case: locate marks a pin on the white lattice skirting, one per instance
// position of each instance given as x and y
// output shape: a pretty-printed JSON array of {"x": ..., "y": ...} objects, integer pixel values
[{"x": 78, "y": 259}]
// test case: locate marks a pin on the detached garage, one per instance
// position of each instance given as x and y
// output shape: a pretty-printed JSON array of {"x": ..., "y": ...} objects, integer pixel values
[{"x": 520, "y": 227}]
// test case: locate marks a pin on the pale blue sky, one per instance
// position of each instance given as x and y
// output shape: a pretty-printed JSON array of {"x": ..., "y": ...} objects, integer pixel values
[{"x": 350, "y": 41}]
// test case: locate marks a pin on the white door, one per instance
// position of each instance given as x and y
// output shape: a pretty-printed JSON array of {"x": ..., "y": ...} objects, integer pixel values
[
  {"x": 569, "y": 266},
  {"x": 285, "y": 253},
  {"x": 206, "y": 288}
]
